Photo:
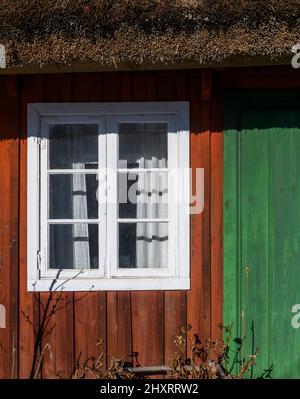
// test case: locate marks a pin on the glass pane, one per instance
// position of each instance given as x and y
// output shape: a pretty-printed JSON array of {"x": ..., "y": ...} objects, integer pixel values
[
  {"x": 143, "y": 145},
  {"x": 143, "y": 195},
  {"x": 143, "y": 245},
  {"x": 73, "y": 246},
  {"x": 73, "y": 196},
  {"x": 73, "y": 146}
]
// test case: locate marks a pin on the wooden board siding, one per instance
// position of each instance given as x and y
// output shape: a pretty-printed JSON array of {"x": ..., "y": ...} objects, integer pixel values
[
  {"x": 145, "y": 322},
  {"x": 261, "y": 227},
  {"x": 30, "y": 90}
]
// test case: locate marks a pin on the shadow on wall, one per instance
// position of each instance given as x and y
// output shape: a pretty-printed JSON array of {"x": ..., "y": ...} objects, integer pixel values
[{"x": 193, "y": 358}]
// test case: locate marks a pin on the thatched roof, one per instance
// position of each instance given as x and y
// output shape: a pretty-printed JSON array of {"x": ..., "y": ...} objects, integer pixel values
[{"x": 135, "y": 32}]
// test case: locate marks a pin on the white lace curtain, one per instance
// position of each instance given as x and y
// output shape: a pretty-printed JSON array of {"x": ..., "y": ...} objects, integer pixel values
[
  {"x": 81, "y": 252},
  {"x": 147, "y": 149},
  {"x": 70, "y": 244},
  {"x": 152, "y": 238}
]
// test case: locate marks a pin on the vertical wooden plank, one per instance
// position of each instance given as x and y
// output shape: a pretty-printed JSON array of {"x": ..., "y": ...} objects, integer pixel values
[
  {"x": 31, "y": 90},
  {"x": 147, "y": 326},
  {"x": 147, "y": 306},
  {"x": 86, "y": 87},
  {"x": 262, "y": 227},
  {"x": 216, "y": 217},
  {"x": 194, "y": 295},
  {"x": 205, "y": 319},
  {"x": 166, "y": 87},
  {"x": 231, "y": 226},
  {"x": 181, "y": 94},
  {"x": 144, "y": 86},
  {"x": 199, "y": 296},
  {"x": 111, "y": 327},
  {"x": 9, "y": 229},
  {"x": 254, "y": 235},
  {"x": 111, "y": 87},
  {"x": 207, "y": 84},
  {"x": 89, "y": 307},
  {"x": 246, "y": 232},
  {"x": 90, "y": 327},
  {"x": 57, "y": 308},
  {"x": 123, "y": 348},
  {"x": 284, "y": 271}
]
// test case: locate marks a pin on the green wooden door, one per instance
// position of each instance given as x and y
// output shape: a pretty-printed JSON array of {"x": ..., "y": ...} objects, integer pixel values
[{"x": 261, "y": 208}]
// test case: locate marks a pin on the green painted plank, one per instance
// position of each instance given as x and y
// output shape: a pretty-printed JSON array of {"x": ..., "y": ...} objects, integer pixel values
[
  {"x": 254, "y": 237},
  {"x": 284, "y": 277},
  {"x": 230, "y": 235},
  {"x": 262, "y": 228}
]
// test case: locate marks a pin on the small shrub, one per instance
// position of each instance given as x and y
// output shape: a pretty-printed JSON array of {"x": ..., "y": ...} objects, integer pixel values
[
  {"x": 193, "y": 359},
  {"x": 209, "y": 359}
]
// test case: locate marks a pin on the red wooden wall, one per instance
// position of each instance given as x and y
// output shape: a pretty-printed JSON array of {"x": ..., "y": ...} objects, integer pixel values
[{"x": 145, "y": 322}]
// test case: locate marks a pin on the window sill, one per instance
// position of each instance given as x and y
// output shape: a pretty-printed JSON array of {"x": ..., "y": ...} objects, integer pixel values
[{"x": 111, "y": 284}]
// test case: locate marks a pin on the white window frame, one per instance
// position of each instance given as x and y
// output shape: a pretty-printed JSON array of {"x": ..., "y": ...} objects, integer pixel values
[{"x": 108, "y": 277}]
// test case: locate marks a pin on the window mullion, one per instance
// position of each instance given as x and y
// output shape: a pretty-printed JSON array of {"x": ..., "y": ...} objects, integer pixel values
[
  {"x": 44, "y": 201},
  {"x": 112, "y": 196},
  {"x": 173, "y": 193},
  {"x": 102, "y": 189}
]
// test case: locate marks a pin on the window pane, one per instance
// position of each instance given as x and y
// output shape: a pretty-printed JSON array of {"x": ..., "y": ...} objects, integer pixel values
[
  {"x": 143, "y": 195},
  {"x": 73, "y": 146},
  {"x": 73, "y": 196},
  {"x": 143, "y": 145},
  {"x": 143, "y": 245},
  {"x": 73, "y": 246}
]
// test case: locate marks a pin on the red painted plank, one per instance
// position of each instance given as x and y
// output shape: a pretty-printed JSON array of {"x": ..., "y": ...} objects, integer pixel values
[
  {"x": 267, "y": 82},
  {"x": 205, "y": 149},
  {"x": 31, "y": 89},
  {"x": 194, "y": 295},
  {"x": 86, "y": 87},
  {"x": 198, "y": 305},
  {"x": 207, "y": 83},
  {"x": 144, "y": 86},
  {"x": 111, "y": 87},
  {"x": 167, "y": 86},
  {"x": 260, "y": 78},
  {"x": 147, "y": 322},
  {"x": 123, "y": 347},
  {"x": 9, "y": 228},
  {"x": 111, "y": 327}
]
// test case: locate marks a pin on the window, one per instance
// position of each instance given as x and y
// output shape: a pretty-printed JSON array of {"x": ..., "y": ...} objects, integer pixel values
[{"x": 105, "y": 203}]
